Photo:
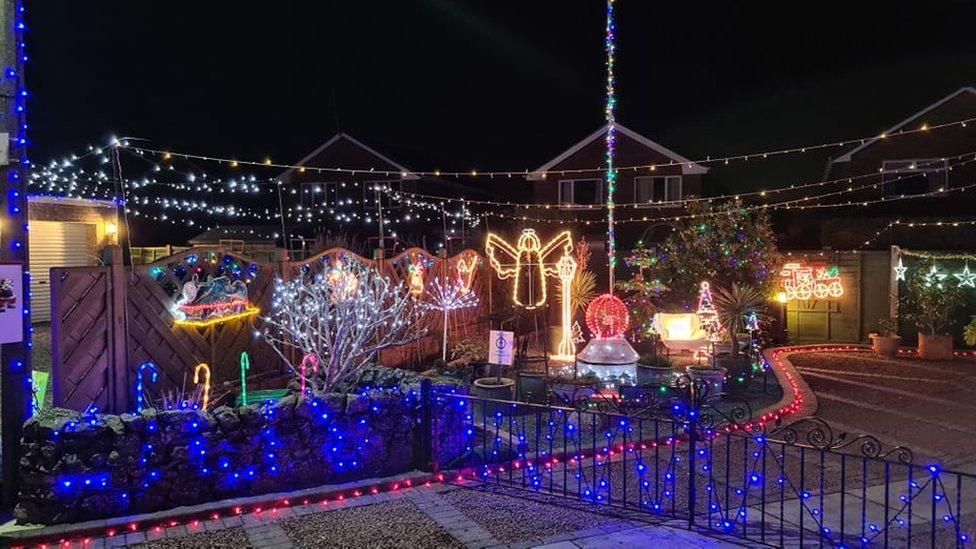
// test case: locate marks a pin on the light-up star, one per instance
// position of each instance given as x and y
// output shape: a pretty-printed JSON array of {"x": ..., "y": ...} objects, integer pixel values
[
  {"x": 899, "y": 269},
  {"x": 934, "y": 277},
  {"x": 966, "y": 277}
]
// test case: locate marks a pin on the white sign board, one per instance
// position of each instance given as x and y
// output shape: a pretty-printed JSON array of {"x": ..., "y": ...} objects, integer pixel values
[
  {"x": 501, "y": 347},
  {"x": 11, "y": 302},
  {"x": 4, "y": 149}
]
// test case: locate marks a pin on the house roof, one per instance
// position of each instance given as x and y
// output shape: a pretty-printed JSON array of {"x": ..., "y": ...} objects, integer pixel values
[
  {"x": 846, "y": 157},
  {"x": 248, "y": 233},
  {"x": 687, "y": 166},
  {"x": 335, "y": 138}
]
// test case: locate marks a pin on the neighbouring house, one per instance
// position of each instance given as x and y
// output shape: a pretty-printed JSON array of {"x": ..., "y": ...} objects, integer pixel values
[
  {"x": 366, "y": 201},
  {"x": 575, "y": 181},
  {"x": 894, "y": 167},
  {"x": 259, "y": 242},
  {"x": 357, "y": 197},
  {"x": 65, "y": 232}
]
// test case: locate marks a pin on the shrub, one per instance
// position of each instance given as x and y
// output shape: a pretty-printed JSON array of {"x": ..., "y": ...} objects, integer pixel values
[
  {"x": 930, "y": 301},
  {"x": 887, "y": 326}
]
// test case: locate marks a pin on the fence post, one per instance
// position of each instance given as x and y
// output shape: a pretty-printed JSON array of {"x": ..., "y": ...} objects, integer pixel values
[
  {"x": 426, "y": 453},
  {"x": 692, "y": 429},
  {"x": 119, "y": 395}
]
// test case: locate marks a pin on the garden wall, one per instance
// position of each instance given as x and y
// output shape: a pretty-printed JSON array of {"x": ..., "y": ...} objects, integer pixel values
[{"x": 82, "y": 467}]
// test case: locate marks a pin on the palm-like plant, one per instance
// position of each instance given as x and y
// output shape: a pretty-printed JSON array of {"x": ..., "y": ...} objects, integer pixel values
[
  {"x": 733, "y": 305},
  {"x": 582, "y": 290}
]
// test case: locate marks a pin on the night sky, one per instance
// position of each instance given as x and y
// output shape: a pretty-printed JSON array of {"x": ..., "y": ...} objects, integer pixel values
[{"x": 487, "y": 85}]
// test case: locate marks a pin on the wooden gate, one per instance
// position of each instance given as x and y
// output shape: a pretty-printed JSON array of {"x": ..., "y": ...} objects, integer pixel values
[{"x": 82, "y": 336}]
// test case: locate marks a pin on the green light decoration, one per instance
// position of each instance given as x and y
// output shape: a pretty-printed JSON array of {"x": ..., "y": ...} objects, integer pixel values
[{"x": 245, "y": 366}]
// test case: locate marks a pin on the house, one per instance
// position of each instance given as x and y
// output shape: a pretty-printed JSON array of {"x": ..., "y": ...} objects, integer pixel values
[
  {"x": 895, "y": 167},
  {"x": 575, "y": 181},
  {"x": 259, "y": 242},
  {"x": 366, "y": 192},
  {"x": 65, "y": 232}
]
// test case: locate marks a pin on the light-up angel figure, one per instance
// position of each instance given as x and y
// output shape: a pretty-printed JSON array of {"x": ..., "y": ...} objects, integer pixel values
[{"x": 527, "y": 262}]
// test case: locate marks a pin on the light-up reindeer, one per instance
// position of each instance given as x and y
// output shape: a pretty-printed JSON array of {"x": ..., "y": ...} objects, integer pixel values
[{"x": 527, "y": 263}]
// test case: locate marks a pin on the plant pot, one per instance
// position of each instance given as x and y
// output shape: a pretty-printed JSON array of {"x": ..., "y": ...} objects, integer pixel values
[
  {"x": 654, "y": 375},
  {"x": 532, "y": 388},
  {"x": 886, "y": 346},
  {"x": 491, "y": 388},
  {"x": 739, "y": 367},
  {"x": 713, "y": 377},
  {"x": 568, "y": 394},
  {"x": 934, "y": 346}
]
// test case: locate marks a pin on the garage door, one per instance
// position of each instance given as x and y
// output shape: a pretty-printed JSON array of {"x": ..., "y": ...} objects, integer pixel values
[{"x": 55, "y": 244}]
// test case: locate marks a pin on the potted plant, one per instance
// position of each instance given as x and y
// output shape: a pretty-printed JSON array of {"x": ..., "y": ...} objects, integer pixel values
[
  {"x": 969, "y": 333},
  {"x": 929, "y": 304},
  {"x": 654, "y": 369},
  {"x": 712, "y": 376},
  {"x": 886, "y": 340},
  {"x": 732, "y": 306}
]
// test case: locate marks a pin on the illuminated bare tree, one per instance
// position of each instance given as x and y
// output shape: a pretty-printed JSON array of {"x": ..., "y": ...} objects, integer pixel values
[{"x": 343, "y": 318}]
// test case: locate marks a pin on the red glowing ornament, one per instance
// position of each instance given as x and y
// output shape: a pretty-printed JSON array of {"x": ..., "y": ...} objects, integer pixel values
[{"x": 607, "y": 317}]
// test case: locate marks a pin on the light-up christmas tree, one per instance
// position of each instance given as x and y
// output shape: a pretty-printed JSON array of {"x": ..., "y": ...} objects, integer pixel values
[{"x": 707, "y": 314}]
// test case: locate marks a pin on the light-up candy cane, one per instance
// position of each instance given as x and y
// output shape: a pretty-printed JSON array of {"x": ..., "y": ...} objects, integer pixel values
[
  {"x": 139, "y": 375},
  {"x": 245, "y": 366},
  {"x": 306, "y": 360},
  {"x": 206, "y": 381}
]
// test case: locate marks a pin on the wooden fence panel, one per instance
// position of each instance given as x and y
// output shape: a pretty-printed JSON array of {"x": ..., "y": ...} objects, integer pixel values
[{"x": 97, "y": 349}]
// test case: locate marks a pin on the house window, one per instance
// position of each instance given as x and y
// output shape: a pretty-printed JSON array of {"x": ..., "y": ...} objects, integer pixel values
[
  {"x": 663, "y": 188},
  {"x": 326, "y": 194},
  {"x": 580, "y": 193},
  {"x": 917, "y": 176},
  {"x": 373, "y": 193}
]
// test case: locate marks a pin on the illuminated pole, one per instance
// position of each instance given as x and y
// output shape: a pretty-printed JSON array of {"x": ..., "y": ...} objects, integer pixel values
[
  {"x": 566, "y": 270},
  {"x": 15, "y": 368},
  {"x": 611, "y": 48}
]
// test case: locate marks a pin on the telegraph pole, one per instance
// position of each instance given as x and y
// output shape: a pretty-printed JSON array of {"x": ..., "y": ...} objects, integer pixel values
[{"x": 15, "y": 358}]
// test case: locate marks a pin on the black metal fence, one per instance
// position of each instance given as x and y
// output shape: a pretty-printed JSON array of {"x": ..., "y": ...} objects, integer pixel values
[{"x": 685, "y": 458}]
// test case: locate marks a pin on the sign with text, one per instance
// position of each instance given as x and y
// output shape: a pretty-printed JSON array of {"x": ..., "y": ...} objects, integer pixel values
[
  {"x": 11, "y": 302},
  {"x": 501, "y": 347}
]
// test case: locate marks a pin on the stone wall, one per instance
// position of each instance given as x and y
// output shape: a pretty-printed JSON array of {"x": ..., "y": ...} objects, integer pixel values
[{"x": 81, "y": 467}]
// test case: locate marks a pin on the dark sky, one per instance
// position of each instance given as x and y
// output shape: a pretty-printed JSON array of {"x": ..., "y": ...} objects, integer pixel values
[{"x": 487, "y": 84}]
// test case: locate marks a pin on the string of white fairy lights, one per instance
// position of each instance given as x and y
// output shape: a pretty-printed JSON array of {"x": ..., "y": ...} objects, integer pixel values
[
  {"x": 792, "y": 187},
  {"x": 797, "y": 203},
  {"x": 709, "y": 159},
  {"x": 54, "y": 175},
  {"x": 65, "y": 178},
  {"x": 949, "y": 224}
]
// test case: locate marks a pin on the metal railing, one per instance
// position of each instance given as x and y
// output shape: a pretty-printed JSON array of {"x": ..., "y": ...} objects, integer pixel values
[{"x": 693, "y": 457}]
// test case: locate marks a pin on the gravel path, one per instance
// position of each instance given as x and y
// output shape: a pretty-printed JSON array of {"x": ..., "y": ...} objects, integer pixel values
[
  {"x": 230, "y": 537},
  {"x": 514, "y": 519},
  {"x": 390, "y": 524}
]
